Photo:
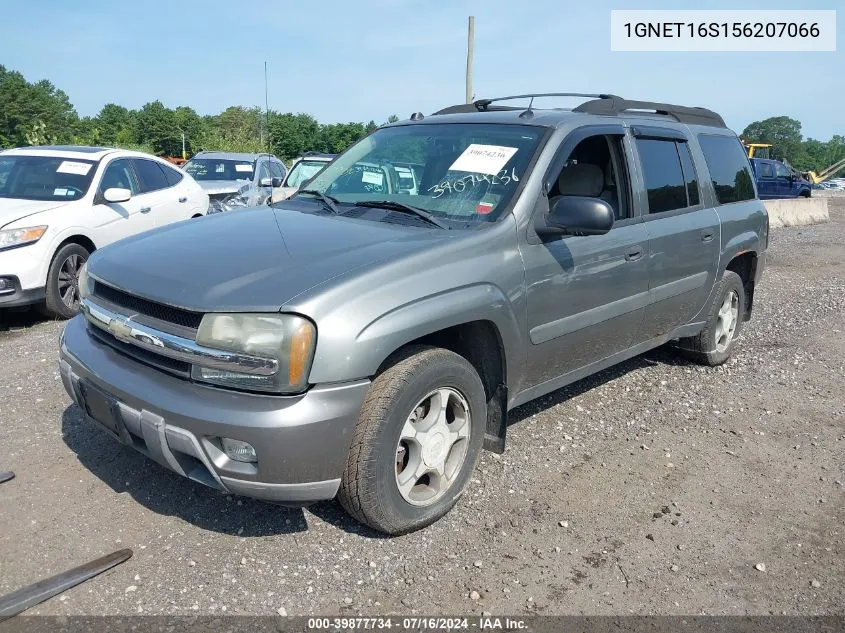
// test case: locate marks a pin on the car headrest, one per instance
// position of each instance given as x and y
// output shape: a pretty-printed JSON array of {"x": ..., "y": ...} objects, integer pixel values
[{"x": 581, "y": 179}]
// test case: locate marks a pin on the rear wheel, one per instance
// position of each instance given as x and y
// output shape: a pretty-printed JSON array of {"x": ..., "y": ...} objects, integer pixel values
[
  {"x": 714, "y": 344},
  {"x": 416, "y": 441},
  {"x": 62, "y": 291}
]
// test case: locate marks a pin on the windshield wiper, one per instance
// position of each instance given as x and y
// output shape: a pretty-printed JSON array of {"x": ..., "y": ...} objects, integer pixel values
[
  {"x": 330, "y": 202},
  {"x": 404, "y": 208}
]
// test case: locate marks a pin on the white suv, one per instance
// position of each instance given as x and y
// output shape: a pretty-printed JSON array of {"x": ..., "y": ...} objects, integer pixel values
[{"x": 58, "y": 204}]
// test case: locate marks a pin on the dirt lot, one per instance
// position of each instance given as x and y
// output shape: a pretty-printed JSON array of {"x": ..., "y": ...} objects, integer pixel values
[{"x": 656, "y": 487}]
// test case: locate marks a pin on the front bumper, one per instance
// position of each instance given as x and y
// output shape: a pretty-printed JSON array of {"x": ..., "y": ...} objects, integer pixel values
[
  {"x": 25, "y": 266},
  {"x": 301, "y": 441}
]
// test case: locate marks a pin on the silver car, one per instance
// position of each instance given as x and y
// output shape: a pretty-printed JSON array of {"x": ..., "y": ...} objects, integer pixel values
[
  {"x": 234, "y": 180},
  {"x": 361, "y": 342}
]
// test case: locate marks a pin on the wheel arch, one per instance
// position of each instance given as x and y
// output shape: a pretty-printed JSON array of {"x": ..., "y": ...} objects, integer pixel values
[
  {"x": 480, "y": 343},
  {"x": 745, "y": 265}
]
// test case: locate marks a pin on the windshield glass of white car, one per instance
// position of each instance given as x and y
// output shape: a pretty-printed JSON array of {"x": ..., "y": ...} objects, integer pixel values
[
  {"x": 219, "y": 169},
  {"x": 45, "y": 177}
]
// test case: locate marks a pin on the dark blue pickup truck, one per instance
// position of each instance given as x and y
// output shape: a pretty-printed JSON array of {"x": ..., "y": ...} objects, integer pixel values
[{"x": 776, "y": 180}]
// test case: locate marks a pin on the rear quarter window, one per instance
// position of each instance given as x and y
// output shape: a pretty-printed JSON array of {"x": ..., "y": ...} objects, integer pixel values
[
  {"x": 730, "y": 171},
  {"x": 173, "y": 176}
]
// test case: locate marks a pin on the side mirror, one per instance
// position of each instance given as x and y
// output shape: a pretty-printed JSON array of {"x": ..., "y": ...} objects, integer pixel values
[
  {"x": 577, "y": 215},
  {"x": 116, "y": 194},
  {"x": 270, "y": 182},
  {"x": 277, "y": 182}
]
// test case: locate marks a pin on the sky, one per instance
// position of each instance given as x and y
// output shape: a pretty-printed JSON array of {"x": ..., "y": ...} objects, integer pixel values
[{"x": 342, "y": 60}]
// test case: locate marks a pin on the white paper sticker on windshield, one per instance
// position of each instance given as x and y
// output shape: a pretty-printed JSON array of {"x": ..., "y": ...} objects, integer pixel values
[
  {"x": 483, "y": 159},
  {"x": 60, "y": 192},
  {"x": 243, "y": 167},
  {"x": 71, "y": 167},
  {"x": 373, "y": 178}
]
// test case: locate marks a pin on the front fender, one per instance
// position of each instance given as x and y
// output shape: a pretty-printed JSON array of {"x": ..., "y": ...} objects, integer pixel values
[{"x": 361, "y": 355}]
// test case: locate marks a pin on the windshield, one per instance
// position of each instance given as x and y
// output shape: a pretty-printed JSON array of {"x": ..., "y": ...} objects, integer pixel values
[
  {"x": 303, "y": 170},
  {"x": 44, "y": 177},
  {"x": 466, "y": 172},
  {"x": 220, "y": 169}
]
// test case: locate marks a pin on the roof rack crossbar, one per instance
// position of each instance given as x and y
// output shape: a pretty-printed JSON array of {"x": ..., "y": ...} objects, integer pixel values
[
  {"x": 682, "y": 114},
  {"x": 481, "y": 104}
]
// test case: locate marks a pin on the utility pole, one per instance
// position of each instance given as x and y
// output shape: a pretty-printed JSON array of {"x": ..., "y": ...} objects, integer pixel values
[
  {"x": 182, "y": 132},
  {"x": 470, "y": 52},
  {"x": 266, "y": 108}
]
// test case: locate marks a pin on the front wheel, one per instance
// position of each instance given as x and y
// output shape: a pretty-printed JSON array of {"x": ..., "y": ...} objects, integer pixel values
[
  {"x": 416, "y": 442},
  {"x": 62, "y": 291}
]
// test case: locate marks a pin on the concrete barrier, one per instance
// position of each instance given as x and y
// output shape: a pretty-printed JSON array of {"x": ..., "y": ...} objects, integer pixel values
[{"x": 797, "y": 211}]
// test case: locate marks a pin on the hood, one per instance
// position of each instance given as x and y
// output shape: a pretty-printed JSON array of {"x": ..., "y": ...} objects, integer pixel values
[
  {"x": 13, "y": 209},
  {"x": 212, "y": 187},
  {"x": 256, "y": 259}
]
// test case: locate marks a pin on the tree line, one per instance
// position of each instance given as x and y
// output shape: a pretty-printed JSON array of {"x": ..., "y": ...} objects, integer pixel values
[
  {"x": 784, "y": 134},
  {"x": 38, "y": 113}
]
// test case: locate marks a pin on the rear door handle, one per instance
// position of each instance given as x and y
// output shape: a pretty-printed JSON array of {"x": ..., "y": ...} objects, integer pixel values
[
  {"x": 145, "y": 209},
  {"x": 183, "y": 199},
  {"x": 707, "y": 235},
  {"x": 634, "y": 253}
]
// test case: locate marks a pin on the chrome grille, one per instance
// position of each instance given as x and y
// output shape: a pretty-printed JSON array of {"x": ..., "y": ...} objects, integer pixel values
[{"x": 131, "y": 304}]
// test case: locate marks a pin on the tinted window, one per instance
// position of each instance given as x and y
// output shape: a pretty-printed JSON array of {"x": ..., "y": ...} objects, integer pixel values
[
  {"x": 664, "y": 180},
  {"x": 119, "y": 174},
  {"x": 173, "y": 176},
  {"x": 689, "y": 174},
  {"x": 729, "y": 168},
  {"x": 782, "y": 171},
  {"x": 150, "y": 175},
  {"x": 766, "y": 170}
]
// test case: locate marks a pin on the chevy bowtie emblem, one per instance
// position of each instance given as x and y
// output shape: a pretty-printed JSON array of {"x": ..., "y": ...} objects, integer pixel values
[{"x": 120, "y": 328}]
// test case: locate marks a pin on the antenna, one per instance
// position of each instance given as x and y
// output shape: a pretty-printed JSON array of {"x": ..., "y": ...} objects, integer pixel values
[
  {"x": 266, "y": 110},
  {"x": 529, "y": 112}
]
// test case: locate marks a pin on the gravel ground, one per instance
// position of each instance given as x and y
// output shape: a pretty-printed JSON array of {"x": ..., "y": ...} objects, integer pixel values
[{"x": 657, "y": 487}]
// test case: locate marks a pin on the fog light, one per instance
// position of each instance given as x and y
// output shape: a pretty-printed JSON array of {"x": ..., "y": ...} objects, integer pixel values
[
  {"x": 239, "y": 451},
  {"x": 6, "y": 284}
]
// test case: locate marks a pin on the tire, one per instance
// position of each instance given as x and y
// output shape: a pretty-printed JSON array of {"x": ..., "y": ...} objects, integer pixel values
[
  {"x": 61, "y": 273},
  {"x": 378, "y": 458},
  {"x": 704, "y": 347}
]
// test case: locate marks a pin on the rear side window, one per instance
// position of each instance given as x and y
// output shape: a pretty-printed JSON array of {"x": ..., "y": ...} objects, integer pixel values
[
  {"x": 150, "y": 176},
  {"x": 663, "y": 175},
  {"x": 173, "y": 176},
  {"x": 689, "y": 174},
  {"x": 729, "y": 168}
]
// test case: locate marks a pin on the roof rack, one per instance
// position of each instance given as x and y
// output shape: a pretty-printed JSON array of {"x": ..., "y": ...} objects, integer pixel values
[
  {"x": 682, "y": 114},
  {"x": 484, "y": 105},
  {"x": 601, "y": 104}
]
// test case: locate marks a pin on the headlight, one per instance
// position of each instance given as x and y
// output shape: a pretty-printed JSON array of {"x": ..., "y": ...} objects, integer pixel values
[
  {"x": 11, "y": 238},
  {"x": 286, "y": 338},
  {"x": 82, "y": 281}
]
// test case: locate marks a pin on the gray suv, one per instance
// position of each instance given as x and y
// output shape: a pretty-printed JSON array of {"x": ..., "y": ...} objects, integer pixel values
[
  {"x": 365, "y": 342},
  {"x": 234, "y": 180}
]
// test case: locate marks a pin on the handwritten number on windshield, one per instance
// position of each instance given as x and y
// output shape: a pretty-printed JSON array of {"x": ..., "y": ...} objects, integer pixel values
[{"x": 473, "y": 180}]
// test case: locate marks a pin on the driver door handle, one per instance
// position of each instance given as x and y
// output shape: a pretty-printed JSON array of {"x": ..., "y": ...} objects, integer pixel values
[
  {"x": 145, "y": 209},
  {"x": 183, "y": 199}
]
